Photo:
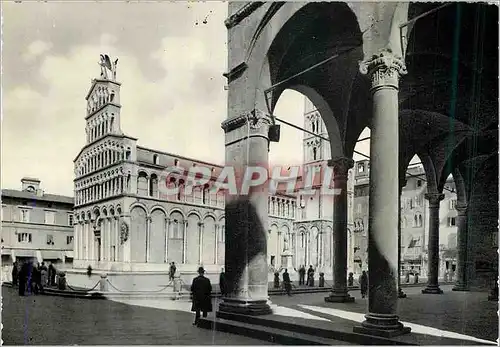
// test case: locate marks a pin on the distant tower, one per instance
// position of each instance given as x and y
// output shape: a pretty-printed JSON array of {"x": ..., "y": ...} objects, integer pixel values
[
  {"x": 103, "y": 107},
  {"x": 315, "y": 150}
]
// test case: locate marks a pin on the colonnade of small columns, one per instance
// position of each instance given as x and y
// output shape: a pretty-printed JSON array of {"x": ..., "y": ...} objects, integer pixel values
[
  {"x": 282, "y": 207},
  {"x": 100, "y": 158},
  {"x": 101, "y": 96},
  {"x": 86, "y": 247},
  {"x": 147, "y": 185},
  {"x": 104, "y": 188}
]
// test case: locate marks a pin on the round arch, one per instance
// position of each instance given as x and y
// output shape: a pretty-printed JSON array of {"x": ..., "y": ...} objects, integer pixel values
[
  {"x": 158, "y": 207},
  {"x": 138, "y": 238},
  {"x": 178, "y": 210},
  {"x": 209, "y": 240}
]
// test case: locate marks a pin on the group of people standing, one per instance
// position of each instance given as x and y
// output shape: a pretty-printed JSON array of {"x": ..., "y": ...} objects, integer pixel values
[
  {"x": 310, "y": 276},
  {"x": 32, "y": 277}
]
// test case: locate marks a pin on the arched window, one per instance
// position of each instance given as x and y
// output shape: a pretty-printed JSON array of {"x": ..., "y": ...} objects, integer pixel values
[
  {"x": 155, "y": 159},
  {"x": 314, "y": 153},
  {"x": 302, "y": 239},
  {"x": 127, "y": 154},
  {"x": 317, "y": 125},
  {"x": 180, "y": 191},
  {"x": 153, "y": 185},
  {"x": 142, "y": 184},
  {"x": 313, "y": 126},
  {"x": 420, "y": 220},
  {"x": 205, "y": 194}
]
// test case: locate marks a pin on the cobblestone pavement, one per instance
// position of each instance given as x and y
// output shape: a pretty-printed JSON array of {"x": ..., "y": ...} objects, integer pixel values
[
  {"x": 468, "y": 313},
  {"x": 48, "y": 320}
]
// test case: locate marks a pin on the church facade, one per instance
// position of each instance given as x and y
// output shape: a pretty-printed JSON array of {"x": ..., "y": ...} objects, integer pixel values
[{"x": 124, "y": 223}]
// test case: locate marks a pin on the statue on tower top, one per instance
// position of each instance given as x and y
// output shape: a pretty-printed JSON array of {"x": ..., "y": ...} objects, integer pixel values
[{"x": 106, "y": 66}]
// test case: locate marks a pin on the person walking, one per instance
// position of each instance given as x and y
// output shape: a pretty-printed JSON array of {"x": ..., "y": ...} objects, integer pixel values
[
  {"x": 201, "y": 288},
  {"x": 363, "y": 284},
  {"x": 171, "y": 272},
  {"x": 287, "y": 283},
  {"x": 222, "y": 283}
]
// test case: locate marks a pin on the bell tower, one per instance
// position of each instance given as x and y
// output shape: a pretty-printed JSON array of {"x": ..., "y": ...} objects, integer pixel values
[
  {"x": 315, "y": 150},
  {"x": 103, "y": 103}
]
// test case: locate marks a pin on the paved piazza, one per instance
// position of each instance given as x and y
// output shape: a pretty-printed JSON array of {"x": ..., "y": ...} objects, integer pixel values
[
  {"x": 48, "y": 320},
  {"x": 31, "y": 320}
]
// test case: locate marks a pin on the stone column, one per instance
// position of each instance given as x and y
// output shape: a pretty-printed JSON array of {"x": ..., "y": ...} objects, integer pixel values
[
  {"x": 339, "y": 292},
  {"x": 217, "y": 231},
  {"x": 85, "y": 241},
  {"x": 462, "y": 235},
  {"x": 200, "y": 239},
  {"x": 433, "y": 245},
  {"x": 148, "y": 238},
  {"x": 116, "y": 236},
  {"x": 384, "y": 71},
  {"x": 167, "y": 229},
  {"x": 76, "y": 239},
  {"x": 401, "y": 294},
  {"x": 247, "y": 145},
  {"x": 184, "y": 242}
]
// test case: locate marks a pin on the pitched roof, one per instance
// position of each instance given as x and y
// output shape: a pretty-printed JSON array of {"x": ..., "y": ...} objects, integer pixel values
[{"x": 12, "y": 193}]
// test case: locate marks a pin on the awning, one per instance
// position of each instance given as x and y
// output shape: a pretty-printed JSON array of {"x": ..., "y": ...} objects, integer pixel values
[
  {"x": 25, "y": 253},
  {"x": 69, "y": 254},
  {"x": 51, "y": 255}
]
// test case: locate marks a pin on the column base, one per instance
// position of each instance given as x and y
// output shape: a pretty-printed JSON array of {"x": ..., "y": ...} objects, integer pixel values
[
  {"x": 245, "y": 306},
  {"x": 382, "y": 325},
  {"x": 339, "y": 297},
  {"x": 432, "y": 289},
  {"x": 401, "y": 294},
  {"x": 460, "y": 288}
]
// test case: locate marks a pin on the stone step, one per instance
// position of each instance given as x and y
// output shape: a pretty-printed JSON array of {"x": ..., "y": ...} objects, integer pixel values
[
  {"x": 266, "y": 333},
  {"x": 306, "y": 330}
]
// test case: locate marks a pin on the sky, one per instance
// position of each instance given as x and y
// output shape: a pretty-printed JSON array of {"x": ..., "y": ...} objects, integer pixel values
[{"x": 171, "y": 60}]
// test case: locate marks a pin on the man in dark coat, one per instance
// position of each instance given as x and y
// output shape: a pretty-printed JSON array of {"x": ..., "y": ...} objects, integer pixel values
[
  {"x": 52, "y": 275},
  {"x": 201, "y": 288},
  {"x": 287, "y": 283},
  {"x": 222, "y": 283},
  {"x": 363, "y": 284},
  {"x": 25, "y": 278},
  {"x": 23, "y": 274},
  {"x": 15, "y": 273},
  {"x": 310, "y": 276},
  {"x": 302, "y": 275}
]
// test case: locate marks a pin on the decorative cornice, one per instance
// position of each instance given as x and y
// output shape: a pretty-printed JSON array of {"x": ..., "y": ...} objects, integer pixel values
[
  {"x": 235, "y": 72},
  {"x": 256, "y": 118},
  {"x": 384, "y": 69},
  {"x": 242, "y": 13}
]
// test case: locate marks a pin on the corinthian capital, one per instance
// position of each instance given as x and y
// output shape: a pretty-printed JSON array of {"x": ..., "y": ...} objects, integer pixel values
[
  {"x": 341, "y": 166},
  {"x": 384, "y": 69},
  {"x": 259, "y": 119},
  {"x": 434, "y": 199}
]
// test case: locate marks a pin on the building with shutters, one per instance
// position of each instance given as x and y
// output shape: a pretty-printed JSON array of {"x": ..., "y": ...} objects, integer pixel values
[{"x": 36, "y": 226}]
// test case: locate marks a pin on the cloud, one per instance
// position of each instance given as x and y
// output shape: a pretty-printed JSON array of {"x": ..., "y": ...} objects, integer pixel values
[{"x": 36, "y": 49}]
